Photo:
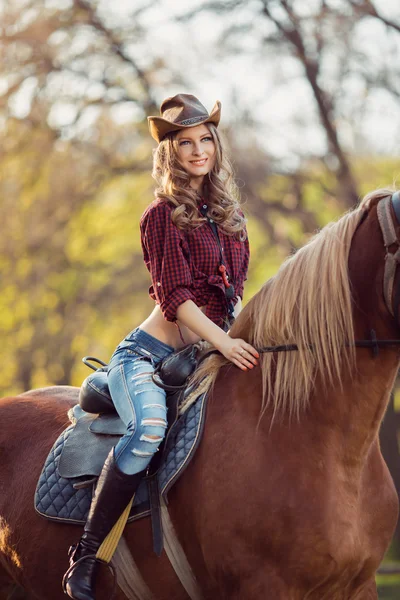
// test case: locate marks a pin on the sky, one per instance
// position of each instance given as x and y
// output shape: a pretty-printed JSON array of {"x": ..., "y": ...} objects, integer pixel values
[{"x": 270, "y": 87}]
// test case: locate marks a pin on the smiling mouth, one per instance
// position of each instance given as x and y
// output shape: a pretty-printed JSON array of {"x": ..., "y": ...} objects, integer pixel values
[{"x": 199, "y": 163}]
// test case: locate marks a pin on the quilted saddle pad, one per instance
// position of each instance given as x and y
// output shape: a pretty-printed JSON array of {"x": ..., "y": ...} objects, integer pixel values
[{"x": 68, "y": 499}]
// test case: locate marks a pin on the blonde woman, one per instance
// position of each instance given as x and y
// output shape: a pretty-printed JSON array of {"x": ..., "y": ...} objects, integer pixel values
[{"x": 196, "y": 249}]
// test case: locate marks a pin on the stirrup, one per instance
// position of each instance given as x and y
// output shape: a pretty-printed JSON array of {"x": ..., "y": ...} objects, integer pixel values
[{"x": 111, "y": 568}]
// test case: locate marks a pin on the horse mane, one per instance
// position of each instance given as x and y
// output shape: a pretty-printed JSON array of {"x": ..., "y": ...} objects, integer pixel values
[{"x": 308, "y": 303}]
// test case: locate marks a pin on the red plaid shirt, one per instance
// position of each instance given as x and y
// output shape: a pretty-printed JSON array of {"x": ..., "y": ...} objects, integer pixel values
[{"x": 184, "y": 265}]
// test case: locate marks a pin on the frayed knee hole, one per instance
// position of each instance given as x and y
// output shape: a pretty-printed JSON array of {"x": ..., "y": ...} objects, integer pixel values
[
  {"x": 152, "y": 439},
  {"x": 154, "y": 422},
  {"x": 141, "y": 453}
]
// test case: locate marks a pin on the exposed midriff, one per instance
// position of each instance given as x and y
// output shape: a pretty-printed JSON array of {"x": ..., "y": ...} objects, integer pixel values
[{"x": 167, "y": 331}]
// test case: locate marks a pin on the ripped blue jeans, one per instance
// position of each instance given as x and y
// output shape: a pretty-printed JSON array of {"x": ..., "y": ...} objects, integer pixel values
[{"x": 138, "y": 400}]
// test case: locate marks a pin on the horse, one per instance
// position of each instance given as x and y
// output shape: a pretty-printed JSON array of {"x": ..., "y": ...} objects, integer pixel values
[{"x": 288, "y": 496}]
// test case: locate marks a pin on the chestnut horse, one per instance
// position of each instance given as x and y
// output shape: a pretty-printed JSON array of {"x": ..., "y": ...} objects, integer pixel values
[{"x": 288, "y": 496}]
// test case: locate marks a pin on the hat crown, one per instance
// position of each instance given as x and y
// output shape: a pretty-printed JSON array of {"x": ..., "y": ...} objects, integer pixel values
[
  {"x": 183, "y": 109},
  {"x": 180, "y": 112}
]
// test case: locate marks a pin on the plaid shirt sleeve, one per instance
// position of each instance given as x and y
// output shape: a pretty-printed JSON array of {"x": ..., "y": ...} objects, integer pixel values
[{"x": 164, "y": 258}]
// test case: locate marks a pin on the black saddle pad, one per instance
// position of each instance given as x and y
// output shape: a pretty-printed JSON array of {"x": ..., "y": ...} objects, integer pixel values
[{"x": 67, "y": 499}]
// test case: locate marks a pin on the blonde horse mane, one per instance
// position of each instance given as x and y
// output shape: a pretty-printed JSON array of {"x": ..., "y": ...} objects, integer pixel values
[{"x": 307, "y": 303}]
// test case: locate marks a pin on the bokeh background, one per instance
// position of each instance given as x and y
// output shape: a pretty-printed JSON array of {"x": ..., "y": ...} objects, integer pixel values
[{"x": 310, "y": 107}]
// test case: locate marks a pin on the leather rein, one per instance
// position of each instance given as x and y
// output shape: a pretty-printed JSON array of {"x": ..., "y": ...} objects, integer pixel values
[{"x": 388, "y": 229}]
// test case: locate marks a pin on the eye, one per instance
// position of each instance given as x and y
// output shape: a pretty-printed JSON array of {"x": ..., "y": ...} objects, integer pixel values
[
  {"x": 184, "y": 142},
  {"x": 208, "y": 138}
]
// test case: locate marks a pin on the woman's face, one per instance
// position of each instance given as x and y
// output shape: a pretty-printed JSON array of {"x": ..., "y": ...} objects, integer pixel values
[{"x": 196, "y": 151}]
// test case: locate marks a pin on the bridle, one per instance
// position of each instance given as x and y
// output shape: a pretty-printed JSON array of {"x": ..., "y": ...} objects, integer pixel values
[
  {"x": 390, "y": 238},
  {"x": 388, "y": 228}
]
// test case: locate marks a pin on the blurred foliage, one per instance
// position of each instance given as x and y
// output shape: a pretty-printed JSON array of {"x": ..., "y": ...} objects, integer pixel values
[
  {"x": 74, "y": 281},
  {"x": 70, "y": 252}
]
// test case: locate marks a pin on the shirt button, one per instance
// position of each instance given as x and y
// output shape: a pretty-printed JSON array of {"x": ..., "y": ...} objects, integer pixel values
[
  {"x": 211, "y": 221},
  {"x": 205, "y": 206},
  {"x": 159, "y": 284}
]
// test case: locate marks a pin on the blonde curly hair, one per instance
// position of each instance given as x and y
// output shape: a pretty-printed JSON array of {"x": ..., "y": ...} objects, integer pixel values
[{"x": 222, "y": 192}]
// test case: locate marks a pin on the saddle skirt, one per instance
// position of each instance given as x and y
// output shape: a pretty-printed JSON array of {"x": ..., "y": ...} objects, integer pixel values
[{"x": 65, "y": 486}]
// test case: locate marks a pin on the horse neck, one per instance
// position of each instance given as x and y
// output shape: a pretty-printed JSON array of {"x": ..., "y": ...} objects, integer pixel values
[{"x": 359, "y": 407}]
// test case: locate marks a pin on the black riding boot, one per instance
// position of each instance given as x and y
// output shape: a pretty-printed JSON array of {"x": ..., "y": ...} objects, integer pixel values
[{"x": 113, "y": 492}]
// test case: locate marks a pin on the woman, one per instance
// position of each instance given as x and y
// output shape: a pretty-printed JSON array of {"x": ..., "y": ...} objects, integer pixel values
[{"x": 190, "y": 265}]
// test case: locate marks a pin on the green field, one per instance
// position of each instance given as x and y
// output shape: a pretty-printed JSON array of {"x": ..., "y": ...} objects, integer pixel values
[{"x": 388, "y": 587}]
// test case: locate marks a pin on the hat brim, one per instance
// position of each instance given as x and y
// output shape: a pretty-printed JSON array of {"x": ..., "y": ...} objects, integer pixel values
[{"x": 159, "y": 127}]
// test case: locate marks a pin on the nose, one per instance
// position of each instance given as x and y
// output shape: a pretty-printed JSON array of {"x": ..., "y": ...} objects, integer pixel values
[{"x": 197, "y": 149}]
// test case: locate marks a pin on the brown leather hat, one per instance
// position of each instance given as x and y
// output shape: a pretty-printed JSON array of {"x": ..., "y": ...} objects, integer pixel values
[{"x": 180, "y": 112}]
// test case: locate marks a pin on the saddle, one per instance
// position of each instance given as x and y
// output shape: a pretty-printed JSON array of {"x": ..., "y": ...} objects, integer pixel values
[
  {"x": 171, "y": 374},
  {"x": 65, "y": 487}
]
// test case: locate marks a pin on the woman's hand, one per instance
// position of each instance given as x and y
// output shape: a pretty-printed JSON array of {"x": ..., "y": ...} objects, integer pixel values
[
  {"x": 242, "y": 354},
  {"x": 236, "y": 350}
]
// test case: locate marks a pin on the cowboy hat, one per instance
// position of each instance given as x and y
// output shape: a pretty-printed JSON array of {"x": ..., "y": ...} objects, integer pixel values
[{"x": 180, "y": 112}]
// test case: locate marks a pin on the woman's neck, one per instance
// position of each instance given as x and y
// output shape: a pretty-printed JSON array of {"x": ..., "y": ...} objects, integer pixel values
[{"x": 197, "y": 185}]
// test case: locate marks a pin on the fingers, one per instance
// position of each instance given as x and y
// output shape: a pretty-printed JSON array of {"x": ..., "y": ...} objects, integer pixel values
[
  {"x": 238, "y": 351},
  {"x": 250, "y": 354},
  {"x": 240, "y": 365},
  {"x": 246, "y": 356}
]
